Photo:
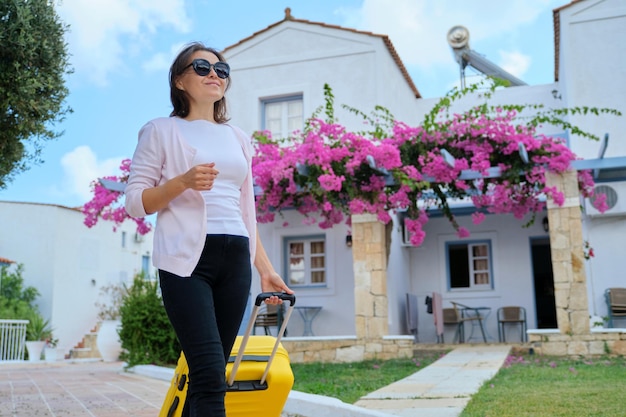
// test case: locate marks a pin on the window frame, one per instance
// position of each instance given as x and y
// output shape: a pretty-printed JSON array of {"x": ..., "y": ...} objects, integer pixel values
[
  {"x": 285, "y": 99},
  {"x": 471, "y": 272},
  {"x": 287, "y": 240},
  {"x": 145, "y": 264}
]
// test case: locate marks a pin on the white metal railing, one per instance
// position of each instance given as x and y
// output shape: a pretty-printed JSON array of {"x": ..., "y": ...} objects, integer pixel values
[{"x": 12, "y": 339}]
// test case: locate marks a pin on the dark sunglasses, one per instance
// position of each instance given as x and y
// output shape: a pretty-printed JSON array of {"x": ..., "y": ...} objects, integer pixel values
[{"x": 202, "y": 67}]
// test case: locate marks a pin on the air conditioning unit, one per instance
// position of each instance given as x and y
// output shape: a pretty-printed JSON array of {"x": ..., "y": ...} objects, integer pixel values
[
  {"x": 405, "y": 236},
  {"x": 615, "y": 199},
  {"x": 404, "y": 232}
]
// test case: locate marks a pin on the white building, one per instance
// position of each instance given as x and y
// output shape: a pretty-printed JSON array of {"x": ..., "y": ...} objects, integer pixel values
[
  {"x": 69, "y": 263},
  {"x": 279, "y": 73},
  {"x": 278, "y": 80}
]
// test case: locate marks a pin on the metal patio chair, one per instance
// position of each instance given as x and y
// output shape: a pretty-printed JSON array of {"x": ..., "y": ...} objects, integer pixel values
[{"x": 511, "y": 315}]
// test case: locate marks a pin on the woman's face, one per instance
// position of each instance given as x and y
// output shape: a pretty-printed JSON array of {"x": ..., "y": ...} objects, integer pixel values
[{"x": 202, "y": 90}]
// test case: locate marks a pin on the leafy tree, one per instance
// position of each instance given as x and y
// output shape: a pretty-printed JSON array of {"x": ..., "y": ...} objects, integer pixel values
[{"x": 33, "y": 62}]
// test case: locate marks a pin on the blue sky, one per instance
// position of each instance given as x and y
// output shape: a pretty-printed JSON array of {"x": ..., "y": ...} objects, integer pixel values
[{"x": 121, "y": 51}]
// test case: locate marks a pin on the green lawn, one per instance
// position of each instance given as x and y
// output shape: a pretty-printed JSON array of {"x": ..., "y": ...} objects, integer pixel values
[
  {"x": 526, "y": 386},
  {"x": 530, "y": 386},
  {"x": 350, "y": 381}
]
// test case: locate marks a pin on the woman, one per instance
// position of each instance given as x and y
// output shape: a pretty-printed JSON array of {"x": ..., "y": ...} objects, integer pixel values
[{"x": 194, "y": 170}]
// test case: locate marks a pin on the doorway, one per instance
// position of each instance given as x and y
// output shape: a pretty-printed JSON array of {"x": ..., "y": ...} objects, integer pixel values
[{"x": 544, "y": 283}]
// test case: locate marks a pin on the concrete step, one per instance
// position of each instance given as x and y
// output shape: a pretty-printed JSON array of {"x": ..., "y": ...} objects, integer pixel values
[
  {"x": 86, "y": 348},
  {"x": 83, "y": 353}
]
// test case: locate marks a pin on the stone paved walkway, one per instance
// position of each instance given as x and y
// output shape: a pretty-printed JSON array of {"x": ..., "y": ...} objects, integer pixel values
[
  {"x": 443, "y": 388},
  {"x": 64, "y": 389},
  {"x": 103, "y": 389}
]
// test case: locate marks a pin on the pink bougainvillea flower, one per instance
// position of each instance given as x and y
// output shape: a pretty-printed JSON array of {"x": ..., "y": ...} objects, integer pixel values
[
  {"x": 462, "y": 232},
  {"x": 105, "y": 204},
  {"x": 327, "y": 173},
  {"x": 478, "y": 217}
]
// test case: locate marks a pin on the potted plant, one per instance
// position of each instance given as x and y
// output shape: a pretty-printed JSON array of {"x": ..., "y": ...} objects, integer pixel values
[
  {"x": 38, "y": 331},
  {"x": 50, "y": 349},
  {"x": 108, "y": 341}
]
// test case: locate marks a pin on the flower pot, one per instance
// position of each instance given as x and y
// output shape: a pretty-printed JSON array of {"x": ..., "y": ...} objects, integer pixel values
[
  {"x": 108, "y": 341},
  {"x": 35, "y": 349},
  {"x": 50, "y": 354}
]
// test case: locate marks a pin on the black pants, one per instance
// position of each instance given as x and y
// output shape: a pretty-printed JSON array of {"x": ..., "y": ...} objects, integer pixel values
[{"x": 206, "y": 310}]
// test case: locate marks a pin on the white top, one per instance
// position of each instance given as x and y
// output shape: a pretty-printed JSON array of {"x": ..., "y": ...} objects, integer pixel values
[
  {"x": 217, "y": 143},
  {"x": 180, "y": 231}
]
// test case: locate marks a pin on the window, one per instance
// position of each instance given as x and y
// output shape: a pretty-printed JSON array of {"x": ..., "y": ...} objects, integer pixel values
[
  {"x": 306, "y": 261},
  {"x": 123, "y": 239},
  {"x": 469, "y": 265},
  {"x": 283, "y": 116},
  {"x": 145, "y": 265}
]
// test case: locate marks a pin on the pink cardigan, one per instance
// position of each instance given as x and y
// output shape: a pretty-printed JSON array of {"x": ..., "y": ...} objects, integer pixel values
[{"x": 161, "y": 155}]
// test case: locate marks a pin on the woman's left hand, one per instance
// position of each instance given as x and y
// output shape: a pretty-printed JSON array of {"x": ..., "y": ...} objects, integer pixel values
[{"x": 274, "y": 283}]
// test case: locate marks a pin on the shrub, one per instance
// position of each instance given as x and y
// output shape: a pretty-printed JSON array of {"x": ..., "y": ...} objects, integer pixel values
[
  {"x": 12, "y": 288},
  {"x": 146, "y": 334},
  {"x": 18, "y": 302}
]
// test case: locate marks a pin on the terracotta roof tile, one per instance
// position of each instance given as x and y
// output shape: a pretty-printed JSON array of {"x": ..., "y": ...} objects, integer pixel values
[
  {"x": 385, "y": 38},
  {"x": 6, "y": 261}
]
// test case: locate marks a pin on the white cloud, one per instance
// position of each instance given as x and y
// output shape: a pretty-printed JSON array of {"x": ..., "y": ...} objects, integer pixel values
[
  {"x": 418, "y": 28},
  {"x": 103, "y": 32},
  {"x": 514, "y": 62},
  {"x": 157, "y": 63},
  {"x": 81, "y": 167},
  {"x": 160, "y": 62}
]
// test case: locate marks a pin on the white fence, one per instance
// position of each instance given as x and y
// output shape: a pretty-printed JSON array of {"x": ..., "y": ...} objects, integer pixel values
[{"x": 12, "y": 339}]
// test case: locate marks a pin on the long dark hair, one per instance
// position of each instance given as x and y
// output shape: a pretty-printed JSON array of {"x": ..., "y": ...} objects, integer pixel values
[{"x": 178, "y": 97}]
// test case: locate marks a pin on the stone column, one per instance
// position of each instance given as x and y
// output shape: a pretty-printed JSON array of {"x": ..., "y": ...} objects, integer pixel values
[
  {"x": 568, "y": 262},
  {"x": 369, "y": 255}
]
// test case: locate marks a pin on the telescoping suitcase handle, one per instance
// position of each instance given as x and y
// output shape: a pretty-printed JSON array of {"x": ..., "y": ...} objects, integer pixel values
[{"x": 255, "y": 311}]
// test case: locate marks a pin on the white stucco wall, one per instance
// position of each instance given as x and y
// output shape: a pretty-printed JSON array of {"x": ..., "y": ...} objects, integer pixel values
[
  {"x": 511, "y": 263},
  {"x": 592, "y": 70},
  {"x": 297, "y": 58},
  {"x": 592, "y": 73},
  {"x": 67, "y": 262},
  {"x": 337, "y": 298},
  {"x": 607, "y": 237},
  {"x": 522, "y": 95}
]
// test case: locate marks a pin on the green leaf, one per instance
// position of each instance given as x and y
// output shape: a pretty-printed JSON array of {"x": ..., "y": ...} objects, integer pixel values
[{"x": 33, "y": 64}]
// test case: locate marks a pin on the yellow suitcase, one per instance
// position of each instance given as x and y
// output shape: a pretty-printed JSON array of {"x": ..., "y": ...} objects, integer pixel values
[
  {"x": 259, "y": 377},
  {"x": 177, "y": 392}
]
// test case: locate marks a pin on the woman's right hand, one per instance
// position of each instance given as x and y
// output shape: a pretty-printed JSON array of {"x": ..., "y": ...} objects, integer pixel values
[{"x": 200, "y": 177}]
